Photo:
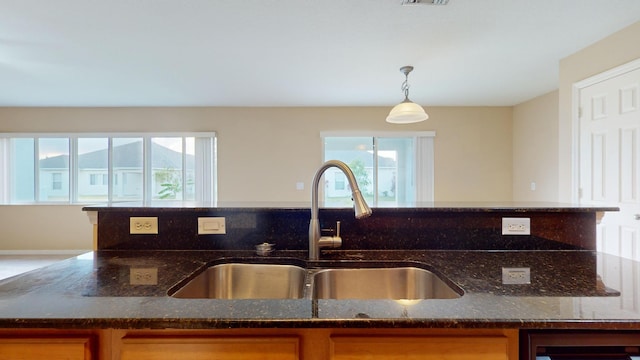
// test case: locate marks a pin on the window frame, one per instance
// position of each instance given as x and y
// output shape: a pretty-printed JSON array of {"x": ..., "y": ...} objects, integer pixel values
[
  {"x": 206, "y": 165},
  {"x": 424, "y": 159}
]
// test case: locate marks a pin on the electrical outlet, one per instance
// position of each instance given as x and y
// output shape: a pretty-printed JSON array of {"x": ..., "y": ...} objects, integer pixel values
[
  {"x": 143, "y": 225},
  {"x": 513, "y": 276},
  {"x": 516, "y": 226},
  {"x": 143, "y": 276}
]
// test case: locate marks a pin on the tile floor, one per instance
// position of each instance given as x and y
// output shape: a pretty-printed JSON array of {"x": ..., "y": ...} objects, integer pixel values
[{"x": 11, "y": 265}]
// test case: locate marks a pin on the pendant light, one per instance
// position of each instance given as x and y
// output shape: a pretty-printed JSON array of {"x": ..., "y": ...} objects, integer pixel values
[{"x": 407, "y": 111}]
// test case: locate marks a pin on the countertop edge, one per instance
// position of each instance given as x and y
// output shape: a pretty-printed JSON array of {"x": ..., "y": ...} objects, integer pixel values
[
  {"x": 213, "y": 324},
  {"x": 418, "y": 208}
]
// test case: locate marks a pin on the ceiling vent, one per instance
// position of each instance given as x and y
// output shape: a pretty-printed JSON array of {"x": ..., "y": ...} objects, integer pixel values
[{"x": 425, "y": 2}]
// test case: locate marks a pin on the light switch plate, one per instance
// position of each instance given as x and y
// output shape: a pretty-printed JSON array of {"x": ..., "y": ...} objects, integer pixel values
[
  {"x": 211, "y": 225},
  {"x": 516, "y": 276}
]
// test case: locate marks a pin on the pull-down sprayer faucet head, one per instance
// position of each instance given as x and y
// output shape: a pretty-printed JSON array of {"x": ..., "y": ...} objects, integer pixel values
[{"x": 359, "y": 205}]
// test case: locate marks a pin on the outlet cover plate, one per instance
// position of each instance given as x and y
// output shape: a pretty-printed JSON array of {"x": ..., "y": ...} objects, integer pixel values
[
  {"x": 143, "y": 225},
  {"x": 516, "y": 226},
  {"x": 143, "y": 276}
]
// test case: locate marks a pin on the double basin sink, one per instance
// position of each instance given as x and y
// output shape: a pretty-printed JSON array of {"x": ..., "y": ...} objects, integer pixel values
[{"x": 292, "y": 279}]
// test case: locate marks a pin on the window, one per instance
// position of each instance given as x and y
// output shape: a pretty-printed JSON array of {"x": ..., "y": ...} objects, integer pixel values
[
  {"x": 56, "y": 181},
  {"x": 90, "y": 168},
  {"x": 53, "y": 168},
  {"x": 339, "y": 181},
  {"x": 391, "y": 169},
  {"x": 98, "y": 179}
]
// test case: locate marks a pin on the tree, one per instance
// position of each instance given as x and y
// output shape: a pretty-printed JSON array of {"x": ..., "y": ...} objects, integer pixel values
[
  {"x": 171, "y": 183},
  {"x": 361, "y": 174}
]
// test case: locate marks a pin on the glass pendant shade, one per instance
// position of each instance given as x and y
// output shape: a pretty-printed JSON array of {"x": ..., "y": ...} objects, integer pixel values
[{"x": 407, "y": 112}]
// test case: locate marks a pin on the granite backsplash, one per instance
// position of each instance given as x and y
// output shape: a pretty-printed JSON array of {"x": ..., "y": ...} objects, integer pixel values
[{"x": 385, "y": 229}]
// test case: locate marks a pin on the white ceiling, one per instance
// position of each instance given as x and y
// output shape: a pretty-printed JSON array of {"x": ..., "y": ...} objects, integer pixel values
[{"x": 292, "y": 52}]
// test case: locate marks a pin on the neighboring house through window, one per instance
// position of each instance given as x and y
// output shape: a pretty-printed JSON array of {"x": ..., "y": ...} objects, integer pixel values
[
  {"x": 90, "y": 168},
  {"x": 392, "y": 169}
]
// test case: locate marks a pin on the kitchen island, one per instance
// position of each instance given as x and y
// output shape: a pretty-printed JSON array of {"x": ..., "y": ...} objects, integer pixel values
[{"x": 89, "y": 303}]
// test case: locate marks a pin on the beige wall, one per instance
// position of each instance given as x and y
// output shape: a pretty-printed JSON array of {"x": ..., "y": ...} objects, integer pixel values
[
  {"x": 473, "y": 153},
  {"x": 615, "y": 50},
  {"x": 49, "y": 227},
  {"x": 535, "y": 149},
  {"x": 264, "y": 152}
]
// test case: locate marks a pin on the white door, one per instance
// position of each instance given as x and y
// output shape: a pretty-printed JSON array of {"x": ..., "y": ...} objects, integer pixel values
[{"x": 610, "y": 159}]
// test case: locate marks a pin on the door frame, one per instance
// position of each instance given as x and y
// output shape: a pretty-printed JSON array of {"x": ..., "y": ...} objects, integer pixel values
[{"x": 575, "y": 118}]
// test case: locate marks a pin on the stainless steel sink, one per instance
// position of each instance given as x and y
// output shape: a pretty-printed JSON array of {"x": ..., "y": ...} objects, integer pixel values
[
  {"x": 245, "y": 281},
  {"x": 382, "y": 283},
  {"x": 280, "y": 279}
]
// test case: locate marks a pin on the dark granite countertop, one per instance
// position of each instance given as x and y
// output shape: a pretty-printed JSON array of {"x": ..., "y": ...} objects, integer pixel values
[
  {"x": 569, "y": 289},
  {"x": 190, "y": 206}
]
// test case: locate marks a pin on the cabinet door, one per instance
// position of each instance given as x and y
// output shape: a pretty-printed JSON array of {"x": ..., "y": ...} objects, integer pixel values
[
  {"x": 419, "y": 347},
  {"x": 201, "y": 348},
  {"x": 45, "y": 348}
]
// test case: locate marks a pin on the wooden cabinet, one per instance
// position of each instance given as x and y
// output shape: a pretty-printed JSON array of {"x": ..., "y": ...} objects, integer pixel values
[
  {"x": 316, "y": 344},
  {"x": 267, "y": 343},
  {"x": 50, "y": 348},
  {"x": 206, "y": 347},
  {"x": 419, "y": 347}
]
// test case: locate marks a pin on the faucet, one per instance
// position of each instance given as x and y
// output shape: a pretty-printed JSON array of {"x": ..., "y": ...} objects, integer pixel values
[{"x": 361, "y": 208}]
